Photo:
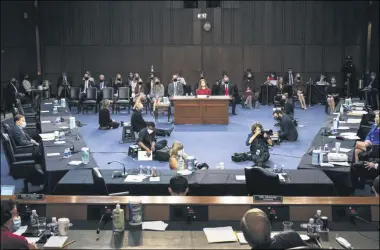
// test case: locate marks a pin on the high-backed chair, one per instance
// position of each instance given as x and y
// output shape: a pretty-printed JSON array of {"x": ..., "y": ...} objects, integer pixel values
[
  {"x": 108, "y": 94},
  {"x": 74, "y": 98},
  {"x": 260, "y": 181},
  {"x": 100, "y": 187},
  {"x": 17, "y": 149},
  {"x": 123, "y": 99},
  {"x": 91, "y": 101}
]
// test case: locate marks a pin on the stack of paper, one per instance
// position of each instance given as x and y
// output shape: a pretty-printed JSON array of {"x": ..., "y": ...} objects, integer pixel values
[
  {"x": 351, "y": 137},
  {"x": 340, "y": 163},
  {"x": 240, "y": 177},
  {"x": 134, "y": 178},
  {"x": 353, "y": 121},
  {"x": 242, "y": 239},
  {"x": 52, "y": 154},
  {"x": 21, "y": 230},
  {"x": 342, "y": 127},
  {"x": 154, "y": 225},
  {"x": 32, "y": 239},
  {"x": 220, "y": 234},
  {"x": 358, "y": 112},
  {"x": 184, "y": 172},
  {"x": 55, "y": 242},
  {"x": 348, "y": 134},
  {"x": 47, "y": 137},
  {"x": 343, "y": 150},
  {"x": 44, "y": 111},
  {"x": 45, "y": 121},
  {"x": 75, "y": 163}
]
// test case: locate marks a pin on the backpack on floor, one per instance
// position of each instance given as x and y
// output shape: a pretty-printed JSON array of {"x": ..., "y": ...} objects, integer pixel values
[{"x": 162, "y": 155}]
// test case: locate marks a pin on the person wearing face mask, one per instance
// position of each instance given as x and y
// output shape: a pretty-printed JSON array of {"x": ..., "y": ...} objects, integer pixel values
[
  {"x": 157, "y": 91},
  {"x": 288, "y": 106},
  {"x": 258, "y": 142},
  {"x": 105, "y": 121},
  {"x": 202, "y": 88},
  {"x": 88, "y": 83},
  {"x": 138, "y": 123},
  {"x": 140, "y": 88},
  {"x": 100, "y": 86},
  {"x": 373, "y": 91},
  {"x": 148, "y": 142},
  {"x": 130, "y": 79},
  {"x": 117, "y": 83},
  {"x": 322, "y": 80},
  {"x": 372, "y": 138},
  {"x": 332, "y": 92},
  {"x": 15, "y": 94},
  {"x": 9, "y": 219},
  {"x": 288, "y": 131},
  {"x": 175, "y": 88},
  {"x": 227, "y": 89},
  {"x": 27, "y": 85},
  {"x": 299, "y": 88},
  {"x": 289, "y": 82},
  {"x": 349, "y": 76}
]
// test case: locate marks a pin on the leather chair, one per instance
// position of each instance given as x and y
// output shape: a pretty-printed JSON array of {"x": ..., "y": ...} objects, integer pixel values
[
  {"x": 74, "y": 98},
  {"x": 20, "y": 165},
  {"x": 261, "y": 182},
  {"x": 91, "y": 101},
  {"x": 123, "y": 99},
  {"x": 17, "y": 149},
  {"x": 100, "y": 187}
]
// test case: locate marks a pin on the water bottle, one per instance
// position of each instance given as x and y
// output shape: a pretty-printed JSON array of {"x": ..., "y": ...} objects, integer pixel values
[
  {"x": 34, "y": 219},
  {"x": 275, "y": 168},
  {"x": 341, "y": 110},
  {"x": 85, "y": 155},
  {"x": 141, "y": 171},
  {"x": 148, "y": 171},
  {"x": 55, "y": 110},
  {"x": 311, "y": 227},
  {"x": 190, "y": 163},
  {"x": 326, "y": 148},
  {"x": 66, "y": 153},
  {"x": 282, "y": 168},
  {"x": 221, "y": 165},
  {"x": 181, "y": 164}
]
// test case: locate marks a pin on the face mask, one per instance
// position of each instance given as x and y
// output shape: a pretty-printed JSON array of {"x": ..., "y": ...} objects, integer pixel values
[
  {"x": 272, "y": 76},
  {"x": 373, "y": 77},
  {"x": 23, "y": 124},
  {"x": 13, "y": 82},
  {"x": 175, "y": 79},
  {"x": 249, "y": 76},
  {"x": 180, "y": 152},
  {"x": 157, "y": 83},
  {"x": 86, "y": 78},
  {"x": 333, "y": 82},
  {"x": 377, "y": 120},
  {"x": 140, "y": 83},
  {"x": 290, "y": 72},
  {"x": 150, "y": 131},
  {"x": 16, "y": 223},
  {"x": 225, "y": 82}
]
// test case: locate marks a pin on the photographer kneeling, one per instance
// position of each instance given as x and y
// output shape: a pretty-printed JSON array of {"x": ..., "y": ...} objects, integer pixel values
[
  {"x": 288, "y": 131},
  {"x": 258, "y": 141}
]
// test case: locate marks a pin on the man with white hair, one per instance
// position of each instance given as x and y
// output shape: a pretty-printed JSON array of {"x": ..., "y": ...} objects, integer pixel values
[{"x": 102, "y": 84}]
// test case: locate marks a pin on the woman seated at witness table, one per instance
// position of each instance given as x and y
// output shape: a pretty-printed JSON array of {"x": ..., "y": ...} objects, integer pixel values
[
  {"x": 202, "y": 88},
  {"x": 105, "y": 121},
  {"x": 332, "y": 92},
  {"x": 177, "y": 152},
  {"x": 138, "y": 123},
  {"x": 371, "y": 139},
  {"x": 299, "y": 88}
]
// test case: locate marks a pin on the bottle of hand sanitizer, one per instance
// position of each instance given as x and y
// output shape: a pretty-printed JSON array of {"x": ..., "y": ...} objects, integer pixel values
[{"x": 118, "y": 219}]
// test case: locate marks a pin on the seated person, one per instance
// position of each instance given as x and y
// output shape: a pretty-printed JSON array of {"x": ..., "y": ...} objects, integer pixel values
[
  {"x": 9, "y": 240},
  {"x": 362, "y": 171},
  {"x": 257, "y": 229},
  {"x": 178, "y": 186},
  {"x": 249, "y": 97},
  {"x": 375, "y": 186},
  {"x": 288, "y": 131},
  {"x": 88, "y": 83},
  {"x": 176, "y": 152},
  {"x": 117, "y": 84},
  {"x": 138, "y": 123},
  {"x": 202, "y": 88},
  {"x": 147, "y": 139},
  {"x": 322, "y": 80},
  {"x": 105, "y": 120},
  {"x": 288, "y": 106},
  {"x": 157, "y": 91},
  {"x": 371, "y": 139},
  {"x": 332, "y": 92},
  {"x": 258, "y": 142},
  {"x": 27, "y": 85},
  {"x": 300, "y": 89}
]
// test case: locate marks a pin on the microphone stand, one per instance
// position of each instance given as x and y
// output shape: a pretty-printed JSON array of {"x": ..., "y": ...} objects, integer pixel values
[{"x": 124, "y": 174}]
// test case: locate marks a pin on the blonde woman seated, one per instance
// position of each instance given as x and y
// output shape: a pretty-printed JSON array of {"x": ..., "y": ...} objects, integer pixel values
[
  {"x": 105, "y": 121},
  {"x": 202, "y": 88},
  {"x": 157, "y": 90},
  {"x": 177, "y": 152}
]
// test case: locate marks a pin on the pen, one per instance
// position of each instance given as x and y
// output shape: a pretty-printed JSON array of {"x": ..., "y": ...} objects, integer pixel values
[{"x": 68, "y": 243}]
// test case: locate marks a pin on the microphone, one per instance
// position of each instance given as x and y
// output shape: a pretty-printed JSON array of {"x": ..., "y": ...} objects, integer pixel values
[
  {"x": 117, "y": 173},
  {"x": 103, "y": 221}
]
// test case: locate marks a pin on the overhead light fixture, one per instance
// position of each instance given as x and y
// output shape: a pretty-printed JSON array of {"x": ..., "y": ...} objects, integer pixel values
[{"x": 202, "y": 16}]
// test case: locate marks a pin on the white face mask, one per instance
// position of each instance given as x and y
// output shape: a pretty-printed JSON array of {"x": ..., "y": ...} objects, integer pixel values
[
  {"x": 16, "y": 223},
  {"x": 373, "y": 77},
  {"x": 23, "y": 124},
  {"x": 150, "y": 131},
  {"x": 180, "y": 152}
]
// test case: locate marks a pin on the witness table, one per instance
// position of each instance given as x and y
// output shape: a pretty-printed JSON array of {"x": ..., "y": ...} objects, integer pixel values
[{"x": 196, "y": 110}]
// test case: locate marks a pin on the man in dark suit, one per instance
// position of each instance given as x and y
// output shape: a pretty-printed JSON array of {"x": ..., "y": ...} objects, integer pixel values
[
  {"x": 289, "y": 81},
  {"x": 256, "y": 229},
  {"x": 101, "y": 85},
  {"x": 85, "y": 85},
  {"x": 373, "y": 91},
  {"x": 288, "y": 131},
  {"x": 227, "y": 89},
  {"x": 288, "y": 106},
  {"x": 363, "y": 170}
]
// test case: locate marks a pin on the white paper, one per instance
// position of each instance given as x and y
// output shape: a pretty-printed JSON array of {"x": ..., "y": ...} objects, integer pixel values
[
  {"x": 343, "y": 150},
  {"x": 53, "y": 154},
  {"x": 281, "y": 178},
  {"x": 304, "y": 237},
  {"x": 348, "y": 134},
  {"x": 56, "y": 241},
  {"x": 358, "y": 112},
  {"x": 336, "y": 113},
  {"x": 273, "y": 234},
  {"x": 342, "y": 122},
  {"x": 157, "y": 178},
  {"x": 75, "y": 163},
  {"x": 45, "y": 121},
  {"x": 59, "y": 142},
  {"x": 154, "y": 225},
  {"x": 48, "y": 139},
  {"x": 220, "y": 234},
  {"x": 323, "y": 164},
  {"x": 340, "y": 163},
  {"x": 32, "y": 239},
  {"x": 47, "y": 135},
  {"x": 44, "y": 111},
  {"x": 63, "y": 127},
  {"x": 184, "y": 172},
  {"x": 358, "y": 104},
  {"x": 240, "y": 177},
  {"x": 355, "y": 137},
  {"x": 342, "y": 127},
  {"x": 332, "y": 136},
  {"x": 134, "y": 178},
  {"x": 241, "y": 238},
  {"x": 48, "y": 103},
  {"x": 143, "y": 156},
  {"x": 21, "y": 230},
  {"x": 353, "y": 121}
]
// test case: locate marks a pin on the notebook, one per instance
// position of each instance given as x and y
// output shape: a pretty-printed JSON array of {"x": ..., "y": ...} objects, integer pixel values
[
  {"x": 220, "y": 234},
  {"x": 55, "y": 242}
]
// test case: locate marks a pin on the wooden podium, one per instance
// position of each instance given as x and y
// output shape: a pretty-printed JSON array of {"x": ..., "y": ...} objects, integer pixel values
[{"x": 201, "y": 110}]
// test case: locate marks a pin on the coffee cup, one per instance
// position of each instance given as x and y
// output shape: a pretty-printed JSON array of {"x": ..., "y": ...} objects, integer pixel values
[{"x": 63, "y": 226}]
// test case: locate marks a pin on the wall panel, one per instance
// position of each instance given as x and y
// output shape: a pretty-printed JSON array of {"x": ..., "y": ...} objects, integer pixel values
[
  {"x": 292, "y": 55},
  {"x": 72, "y": 60},
  {"x": 212, "y": 62},
  {"x": 52, "y": 59},
  {"x": 272, "y": 58},
  {"x": 333, "y": 58},
  {"x": 171, "y": 62},
  {"x": 252, "y": 58},
  {"x": 313, "y": 58},
  {"x": 232, "y": 63}
]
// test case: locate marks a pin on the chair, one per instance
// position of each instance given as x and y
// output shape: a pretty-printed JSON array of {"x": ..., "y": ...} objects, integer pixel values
[
  {"x": 108, "y": 93},
  {"x": 17, "y": 149},
  {"x": 91, "y": 101},
  {"x": 74, "y": 98},
  {"x": 100, "y": 187},
  {"x": 18, "y": 167},
  {"x": 295, "y": 99},
  {"x": 261, "y": 182},
  {"x": 123, "y": 99},
  {"x": 127, "y": 134}
]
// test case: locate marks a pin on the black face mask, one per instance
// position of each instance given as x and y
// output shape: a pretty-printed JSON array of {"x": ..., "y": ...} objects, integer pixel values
[
  {"x": 26, "y": 78},
  {"x": 13, "y": 82},
  {"x": 86, "y": 78},
  {"x": 140, "y": 83},
  {"x": 225, "y": 82},
  {"x": 298, "y": 78},
  {"x": 175, "y": 79},
  {"x": 157, "y": 83}
]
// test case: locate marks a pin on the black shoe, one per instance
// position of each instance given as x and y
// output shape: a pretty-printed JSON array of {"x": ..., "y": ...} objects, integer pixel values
[
  {"x": 170, "y": 131},
  {"x": 234, "y": 113}
]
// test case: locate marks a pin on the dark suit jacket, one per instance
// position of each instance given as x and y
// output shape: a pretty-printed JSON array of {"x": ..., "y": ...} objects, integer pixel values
[
  {"x": 232, "y": 90},
  {"x": 104, "y": 118},
  {"x": 137, "y": 121},
  {"x": 289, "y": 109},
  {"x": 90, "y": 84},
  {"x": 288, "y": 130},
  {"x": 286, "y": 240},
  {"x": 105, "y": 84},
  {"x": 286, "y": 78},
  {"x": 20, "y": 138},
  {"x": 69, "y": 80}
]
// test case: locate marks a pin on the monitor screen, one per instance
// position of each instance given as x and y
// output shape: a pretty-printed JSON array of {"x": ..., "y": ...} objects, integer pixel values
[{"x": 7, "y": 190}]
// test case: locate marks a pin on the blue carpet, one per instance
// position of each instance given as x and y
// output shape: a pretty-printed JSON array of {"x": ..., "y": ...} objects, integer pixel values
[{"x": 208, "y": 143}]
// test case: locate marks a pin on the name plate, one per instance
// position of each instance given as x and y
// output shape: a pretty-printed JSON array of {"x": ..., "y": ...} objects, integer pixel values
[
  {"x": 30, "y": 197},
  {"x": 265, "y": 198}
]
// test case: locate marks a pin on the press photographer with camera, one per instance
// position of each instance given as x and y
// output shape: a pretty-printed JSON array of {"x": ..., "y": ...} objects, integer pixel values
[{"x": 258, "y": 142}]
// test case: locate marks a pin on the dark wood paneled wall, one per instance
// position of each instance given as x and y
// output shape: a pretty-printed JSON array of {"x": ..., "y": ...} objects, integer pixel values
[{"x": 122, "y": 36}]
